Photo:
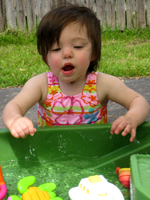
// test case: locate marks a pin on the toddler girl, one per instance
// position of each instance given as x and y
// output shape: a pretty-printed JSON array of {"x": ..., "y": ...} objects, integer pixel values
[{"x": 69, "y": 41}]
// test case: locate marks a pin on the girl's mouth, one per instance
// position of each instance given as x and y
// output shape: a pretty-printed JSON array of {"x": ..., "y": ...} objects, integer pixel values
[{"x": 68, "y": 69}]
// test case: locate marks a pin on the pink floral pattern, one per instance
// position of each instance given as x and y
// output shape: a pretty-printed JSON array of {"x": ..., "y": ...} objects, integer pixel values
[{"x": 60, "y": 109}]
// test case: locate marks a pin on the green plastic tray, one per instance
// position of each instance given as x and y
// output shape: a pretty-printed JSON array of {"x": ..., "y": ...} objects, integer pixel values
[
  {"x": 140, "y": 177},
  {"x": 67, "y": 154}
]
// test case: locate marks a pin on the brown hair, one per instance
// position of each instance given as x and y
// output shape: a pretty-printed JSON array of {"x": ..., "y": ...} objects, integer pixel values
[{"x": 54, "y": 21}]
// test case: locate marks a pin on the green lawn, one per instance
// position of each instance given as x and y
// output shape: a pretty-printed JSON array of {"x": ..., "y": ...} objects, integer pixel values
[{"x": 124, "y": 54}]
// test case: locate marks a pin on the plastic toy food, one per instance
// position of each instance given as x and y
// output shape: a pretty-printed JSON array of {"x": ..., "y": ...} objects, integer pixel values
[
  {"x": 43, "y": 192},
  {"x": 124, "y": 176},
  {"x": 3, "y": 188},
  {"x": 95, "y": 188}
]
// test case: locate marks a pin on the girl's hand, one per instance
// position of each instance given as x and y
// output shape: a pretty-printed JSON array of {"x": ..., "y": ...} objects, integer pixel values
[
  {"x": 22, "y": 127},
  {"x": 127, "y": 123}
]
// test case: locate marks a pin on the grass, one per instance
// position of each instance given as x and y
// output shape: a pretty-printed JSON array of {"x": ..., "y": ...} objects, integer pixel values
[
  {"x": 19, "y": 59},
  {"x": 124, "y": 54}
]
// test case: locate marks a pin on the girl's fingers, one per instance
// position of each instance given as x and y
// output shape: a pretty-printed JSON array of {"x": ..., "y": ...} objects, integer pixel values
[
  {"x": 31, "y": 129},
  {"x": 133, "y": 135},
  {"x": 14, "y": 133},
  {"x": 126, "y": 130},
  {"x": 22, "y": 127},
  {"x": 121, "y": 124}
]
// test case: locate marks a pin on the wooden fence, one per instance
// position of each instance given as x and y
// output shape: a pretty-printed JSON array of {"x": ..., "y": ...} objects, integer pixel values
[{"x": 112, "y": 13}]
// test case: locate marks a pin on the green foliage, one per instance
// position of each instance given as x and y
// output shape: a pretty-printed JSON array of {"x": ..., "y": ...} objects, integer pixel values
[
  {"x": 19, "y": 58},
  {"x": 124, "y": 54},
  {"x": 17, "y": 37}
]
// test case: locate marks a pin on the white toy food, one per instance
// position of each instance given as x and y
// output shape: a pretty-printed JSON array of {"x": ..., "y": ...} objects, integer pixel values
[{"x": 95, "y": 188}]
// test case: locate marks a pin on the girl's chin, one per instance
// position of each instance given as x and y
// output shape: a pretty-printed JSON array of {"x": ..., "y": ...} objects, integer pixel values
[{"x": 68, "y": 80}]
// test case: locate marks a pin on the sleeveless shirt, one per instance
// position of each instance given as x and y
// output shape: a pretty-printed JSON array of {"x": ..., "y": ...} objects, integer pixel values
[{"x": 61, "y": 109}]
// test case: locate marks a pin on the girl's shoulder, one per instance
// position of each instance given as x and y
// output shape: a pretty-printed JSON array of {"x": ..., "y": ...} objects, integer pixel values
[
  {"x": 108, "y": 86},
  {"x": 38, "y": 84},
  {"x": 103, "y": 78},
  {"x": 39, "y": 80},
  {"x": 107, "y": 82}
]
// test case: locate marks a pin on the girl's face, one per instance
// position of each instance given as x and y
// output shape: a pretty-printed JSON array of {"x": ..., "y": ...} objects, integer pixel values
[{"x": 69, "y": 60}]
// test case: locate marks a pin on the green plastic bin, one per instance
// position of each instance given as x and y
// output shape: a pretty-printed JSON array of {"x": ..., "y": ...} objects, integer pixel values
[
  {"x": 140, "y": 177},
  {"x": 66, "y": 154}
]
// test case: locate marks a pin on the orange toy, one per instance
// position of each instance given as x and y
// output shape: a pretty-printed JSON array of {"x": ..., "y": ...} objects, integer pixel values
[
  {"x": 42, "y": 192},
  {"x": 35, "y": 193},
  {"x": 3, "y": 188},
  {"x": 124, "y": 176}
]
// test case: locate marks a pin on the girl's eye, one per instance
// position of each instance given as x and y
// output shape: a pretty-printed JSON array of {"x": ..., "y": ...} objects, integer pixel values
[
  {"x": 78, "y": 47},
  {"x": 55, "y": 50}
]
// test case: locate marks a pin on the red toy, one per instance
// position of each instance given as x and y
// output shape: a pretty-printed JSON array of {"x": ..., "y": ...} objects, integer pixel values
[
  {"x": 3, "y": 188},
  {"x": 124, "y": 176}
]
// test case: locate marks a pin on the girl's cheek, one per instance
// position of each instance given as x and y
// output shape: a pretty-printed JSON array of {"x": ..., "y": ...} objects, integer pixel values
[
  {"x": 54, "y": 62},
  {"x": 84, "y": 60}
]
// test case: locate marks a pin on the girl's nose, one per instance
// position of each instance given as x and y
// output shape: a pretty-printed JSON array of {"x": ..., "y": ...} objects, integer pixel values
[{"x": 67, "y": 53}]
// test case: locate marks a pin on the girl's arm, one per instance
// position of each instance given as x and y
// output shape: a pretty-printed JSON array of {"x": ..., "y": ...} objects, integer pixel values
[
  {"x": 138, "y": 108},
  {"x": 136, "y": 115},
  {"x": 35, "y": 90}
]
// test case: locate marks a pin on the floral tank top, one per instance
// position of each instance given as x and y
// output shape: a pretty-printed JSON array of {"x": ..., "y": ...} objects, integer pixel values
[{"x": 60, "y": 109}]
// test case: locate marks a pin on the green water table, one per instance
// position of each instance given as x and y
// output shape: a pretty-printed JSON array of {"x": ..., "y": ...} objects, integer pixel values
[
  {"x": 66, "y": 154},
  {"x": 140, "y": 177}
]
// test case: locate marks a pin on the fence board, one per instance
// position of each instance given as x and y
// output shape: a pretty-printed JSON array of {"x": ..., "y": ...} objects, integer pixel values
[
  {"x": 120, "y": 14},
  {"x": 140, "y": 13},
  {"x": 53, "y": 4},
  {"x": 20, "y": 8},
  {"x": 47, "y": 6},
  {"x": 110, "y": 14},
  {"x": 81, "y": 2},
  {"x": 56, "y": 3},
  {"x": 130, "y": 9},
  {"x": 31, "y": 19},
  {"x": 100, "y": 5},
  {"x": 2, "y": 15},
  {"x": 62, "y": 2},
  {"x": 148, "y": 12},
  {"x": 40, "y": 10},
  {"x": 91, "y": 4},
  {"x": 10, "y": 14}
]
